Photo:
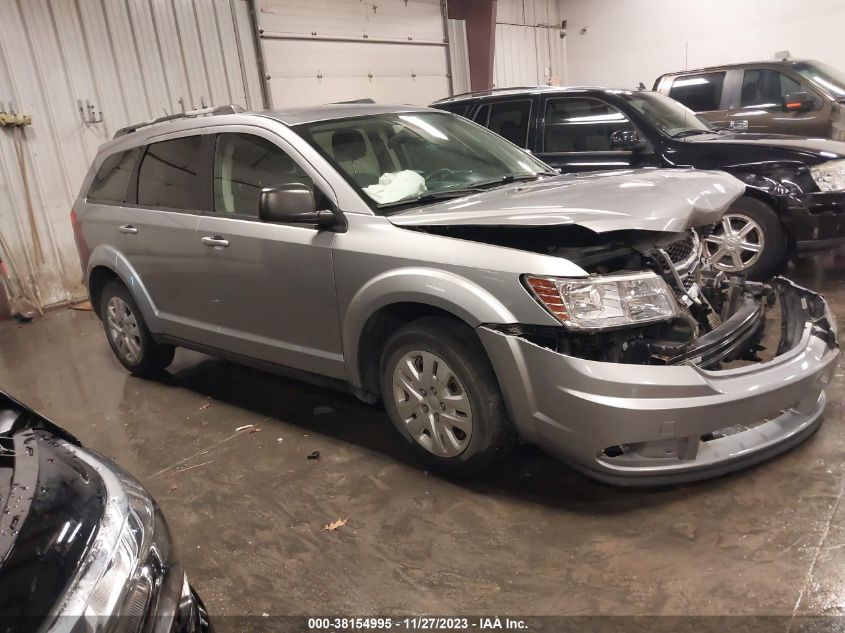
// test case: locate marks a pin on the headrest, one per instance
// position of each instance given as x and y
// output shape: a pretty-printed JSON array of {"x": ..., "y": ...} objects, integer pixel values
[{"x": 348, "y": 145}]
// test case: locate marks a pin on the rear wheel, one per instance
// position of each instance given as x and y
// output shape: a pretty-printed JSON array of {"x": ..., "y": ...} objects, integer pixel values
[
  {"x": 442, "y": 396},
  {"x": 127, "y": 333},
  {"x": 749, "y": 239}
]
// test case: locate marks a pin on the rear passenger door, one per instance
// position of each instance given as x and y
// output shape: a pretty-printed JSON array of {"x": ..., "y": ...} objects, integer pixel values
[
  {"x": 758, "y": 105},
  {"x": 704, "y": 94},
  {"x": 510, "y": 119},
  {"x": 159, "y": 233},
  {"x": 575, "y": 135},
  {"x": 267, "y": 289}
]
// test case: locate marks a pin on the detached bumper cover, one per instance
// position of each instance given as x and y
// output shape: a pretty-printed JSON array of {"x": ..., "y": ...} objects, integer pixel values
[
  {"x": 671, "y": 424},
  {"x": 818, "y": 221}
]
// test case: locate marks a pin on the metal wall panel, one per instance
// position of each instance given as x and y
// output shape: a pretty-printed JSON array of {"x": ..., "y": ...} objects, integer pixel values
[
  {"x": 132, "y": 60},
  {"x": 529, "y": 48},
  {"x": 459, "y": 56},
  {"x": 335, "y": 50}
]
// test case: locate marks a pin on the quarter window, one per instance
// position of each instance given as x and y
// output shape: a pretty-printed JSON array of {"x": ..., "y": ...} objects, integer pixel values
[
  {"x": 700, "y": 93},
  {"x": 171, "y": 175},
  {"x": 111, "y": 182},
  {"x": 581, "y": 125},
  {"x": 765, "y": 88},
  {"x": 510, "y": 120},
  {"x": 245, "y": 164}
]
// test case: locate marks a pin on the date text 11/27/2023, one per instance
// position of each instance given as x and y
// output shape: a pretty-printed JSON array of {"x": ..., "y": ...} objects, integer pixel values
[{"x": 416, "y": 623}]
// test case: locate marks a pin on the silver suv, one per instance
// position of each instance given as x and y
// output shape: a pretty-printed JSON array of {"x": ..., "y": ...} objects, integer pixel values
[{"x": 410, "y": 255}]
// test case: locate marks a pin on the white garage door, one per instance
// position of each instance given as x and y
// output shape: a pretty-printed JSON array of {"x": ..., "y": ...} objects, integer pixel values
[{"x": 324, "y": 51}]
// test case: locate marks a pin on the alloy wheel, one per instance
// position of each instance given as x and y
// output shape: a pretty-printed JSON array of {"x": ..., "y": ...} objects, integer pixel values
[
  {"x": 433, "y": 404},
  {"x": 736, "y": 244},
  {"x": 123, "y": 330}
]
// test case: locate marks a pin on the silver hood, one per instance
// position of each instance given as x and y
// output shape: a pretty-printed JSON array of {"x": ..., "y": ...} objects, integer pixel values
[{"x": 642, "y": 199}]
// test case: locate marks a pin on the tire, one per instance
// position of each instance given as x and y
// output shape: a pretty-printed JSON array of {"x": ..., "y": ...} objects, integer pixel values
[
  {"x": 127, "y": 333},
  {"x": 764, "y": 227},
  {"x": 468, "y": 386}
]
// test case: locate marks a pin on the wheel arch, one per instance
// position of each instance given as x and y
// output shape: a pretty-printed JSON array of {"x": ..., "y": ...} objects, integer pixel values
[
  {"x": 394, "y": 299},
  {"x": 108, "y": 264}
]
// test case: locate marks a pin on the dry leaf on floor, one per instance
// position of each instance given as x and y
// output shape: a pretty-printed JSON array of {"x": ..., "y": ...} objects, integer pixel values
[
  {"x": 331, "y": 527},
  {"x": 173, "y": 486},
  {"x": 205, "y": 406},
  {"x": 254, "y": 429}
]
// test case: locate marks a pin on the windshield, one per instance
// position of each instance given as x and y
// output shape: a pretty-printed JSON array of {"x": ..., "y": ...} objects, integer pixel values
[
  {"x": 666, "y": 114},
  {"x": 830, "y": 79},
  {"x": 398, "y": 158}
]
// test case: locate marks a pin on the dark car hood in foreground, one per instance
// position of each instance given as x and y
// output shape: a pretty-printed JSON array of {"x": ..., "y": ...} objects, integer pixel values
[
  {"x": 643, "y": 199},
  {"x": 50, "y": 509},
  {"x": 825, "y": 149}
]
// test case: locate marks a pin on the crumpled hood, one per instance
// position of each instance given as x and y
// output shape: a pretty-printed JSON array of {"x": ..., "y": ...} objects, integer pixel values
[{"x": 642, "y": 199}]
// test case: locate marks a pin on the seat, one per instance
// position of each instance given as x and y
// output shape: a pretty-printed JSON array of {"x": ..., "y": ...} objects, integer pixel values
[{"x": 349, "y": 148}]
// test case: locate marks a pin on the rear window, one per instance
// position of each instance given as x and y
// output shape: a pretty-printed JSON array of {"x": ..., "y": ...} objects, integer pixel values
[
  {"x": 700, "y": 93},
  {"x": 171, "y": 175},
  {"x": 461, "y": 109},
  {"x": 111, "y": 182}
]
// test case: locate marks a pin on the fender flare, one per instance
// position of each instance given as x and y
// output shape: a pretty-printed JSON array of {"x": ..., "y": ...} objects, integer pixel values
[
  {"x": 444, "y": 290},
  {"x": 112, "y": 259}
]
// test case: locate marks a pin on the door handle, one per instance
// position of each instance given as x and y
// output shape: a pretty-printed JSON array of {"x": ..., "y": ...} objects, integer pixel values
[
  {"x": 215, "y": 240},
  {"x": 739, "y": 124},
  {"x": 128, "y": 228}
]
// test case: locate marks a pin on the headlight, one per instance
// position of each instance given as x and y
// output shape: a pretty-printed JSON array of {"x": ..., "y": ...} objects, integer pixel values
[
  {"x": 605, "y": 301},
  {"x": 126, "y": 563},
  {"x": 829, "y": 176}
]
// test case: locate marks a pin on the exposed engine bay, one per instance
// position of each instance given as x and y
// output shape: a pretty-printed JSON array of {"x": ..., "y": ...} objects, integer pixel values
[{"x": 722, "y": 320}]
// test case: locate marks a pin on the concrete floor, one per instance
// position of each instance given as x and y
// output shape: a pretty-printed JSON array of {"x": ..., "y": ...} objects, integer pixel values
[{"x": 248, "y": 509}]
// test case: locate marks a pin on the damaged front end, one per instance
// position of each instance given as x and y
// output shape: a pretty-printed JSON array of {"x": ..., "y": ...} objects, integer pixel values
[{"x": 714, "y": 320}]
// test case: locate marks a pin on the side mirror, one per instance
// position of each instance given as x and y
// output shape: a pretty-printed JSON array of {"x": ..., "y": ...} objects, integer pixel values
[
  {"x": 292, "y": 203},
  {"x": 798, "y": 102},
  {"x": 629, "y": 140}
]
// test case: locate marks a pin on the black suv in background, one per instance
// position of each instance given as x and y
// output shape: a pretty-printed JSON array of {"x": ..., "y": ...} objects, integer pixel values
[
  {"x": 802, "y": 97},
  {"x": 795, "y": 187}
]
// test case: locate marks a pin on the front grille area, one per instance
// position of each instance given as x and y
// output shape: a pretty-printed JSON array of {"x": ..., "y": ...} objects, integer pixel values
[
  {"x": 685, "y": 252},
  {"x": 681, "y": 250}
]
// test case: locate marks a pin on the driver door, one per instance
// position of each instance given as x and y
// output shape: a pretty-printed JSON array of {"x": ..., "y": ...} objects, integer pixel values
[
  {"x": 268, "y": 289},
  {"x": 575, "y": 136}
]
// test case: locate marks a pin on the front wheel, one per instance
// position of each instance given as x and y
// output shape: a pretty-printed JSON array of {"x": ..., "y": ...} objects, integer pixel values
[
  {"x": 749, "y": 239},
  {"x": 127, "y": 333},
  {"x": 442, "y": 396}
]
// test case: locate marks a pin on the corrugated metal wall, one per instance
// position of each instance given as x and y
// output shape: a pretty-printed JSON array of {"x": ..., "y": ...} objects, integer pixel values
[
  {"x": 529, "y": 48},
  {"x": 459, "y": 56},
  {"x": 122, "y": 61}
]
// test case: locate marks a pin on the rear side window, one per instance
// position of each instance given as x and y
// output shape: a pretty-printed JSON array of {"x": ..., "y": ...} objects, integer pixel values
[
  {"x": 700, "y": 93},
  {"x": 171, "y": 175},
  {"x": 510, "y": 119},
  {"x": 245, "y": 164},
  {"x": 112, "y": 180},
  {"x": 461, "y": 109},
  {"x": 766, "y": 88},
  {"x": 579, "y": 124}
]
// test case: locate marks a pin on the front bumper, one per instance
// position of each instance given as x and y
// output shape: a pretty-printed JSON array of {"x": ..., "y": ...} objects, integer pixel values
[
  {"x": 650, "y": 425},
  {"x": 818, "y": 221}
]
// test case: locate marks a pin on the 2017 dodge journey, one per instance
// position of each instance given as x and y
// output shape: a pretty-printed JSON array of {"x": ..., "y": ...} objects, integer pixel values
[{"x": 411, "y": 255}]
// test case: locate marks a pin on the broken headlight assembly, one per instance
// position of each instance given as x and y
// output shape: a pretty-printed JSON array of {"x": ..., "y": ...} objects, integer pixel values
[
  {"x": 602, "y": 302},
  {"x": 829, "y": 176}
]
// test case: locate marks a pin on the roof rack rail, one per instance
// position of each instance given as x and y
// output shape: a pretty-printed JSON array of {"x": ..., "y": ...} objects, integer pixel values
[
  {"x": 364, "y": 100},
  {"x": 493, "y": 90},
  {"x": 226, "y": 109}
]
